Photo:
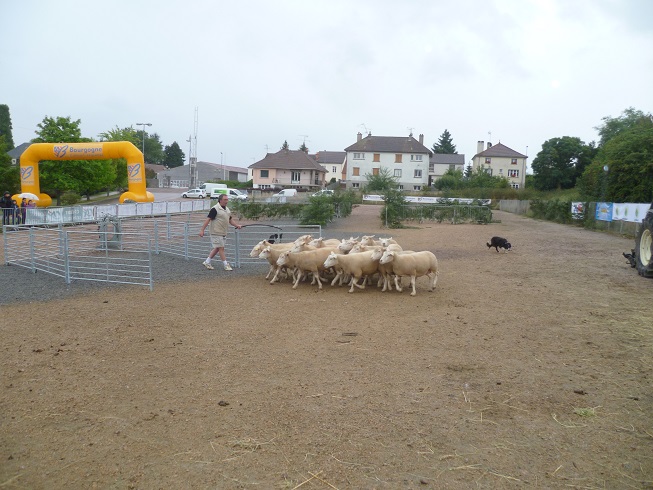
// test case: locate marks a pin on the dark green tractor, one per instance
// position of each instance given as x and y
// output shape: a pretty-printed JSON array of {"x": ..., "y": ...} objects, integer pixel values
[{"x": 641, "y": 257}]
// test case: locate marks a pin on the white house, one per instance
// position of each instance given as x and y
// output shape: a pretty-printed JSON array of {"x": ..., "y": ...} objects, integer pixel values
[
  {"x": 333, "y": 162},
  {"x": 499, "y": 160},
  {"x": 439, "y": 163},
  {"x": 405, "y": 157}
]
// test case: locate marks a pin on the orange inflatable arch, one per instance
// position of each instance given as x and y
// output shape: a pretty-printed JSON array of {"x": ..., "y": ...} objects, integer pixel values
[{"x": 29, "y": 171}]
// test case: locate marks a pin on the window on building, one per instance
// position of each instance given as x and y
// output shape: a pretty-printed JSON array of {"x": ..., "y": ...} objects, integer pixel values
[
  {"x": 401, "y": 187},
  {"x": 398, "y": 172},
  {"x": 418, "y": 173},
  {"x": 488, "y": 160},
  {"x": 513, "y": 173},
  {"x": 355, "y": 185},
  {"x": 355, "y": 171},
  {"x": 417, "y": 187},
  {"x": 398, "y": 157},
  {"x": 334, "y": 169},
  {"x": 375, "y": 171},
  {"x": 377, "y": 157},
  {"x": 515, "y": 186},
  {"x": 296, "y": 176},
  {"x": 265, "y": 174},
  {"x": 500, "y": 170},
  {"x": 513, "y": 161},
  {"x": 416, "y": 158},
  {"x": 452, "y": 167},
  {"x": 359, "y": 156}
]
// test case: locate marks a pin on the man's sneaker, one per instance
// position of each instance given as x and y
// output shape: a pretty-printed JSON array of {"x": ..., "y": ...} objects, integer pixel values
[
  {"x": 208, "y": 266},
  {"x": 227, "y": 267}
]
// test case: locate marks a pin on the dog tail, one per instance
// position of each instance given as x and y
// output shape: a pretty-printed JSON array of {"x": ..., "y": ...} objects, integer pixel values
[{"x": 488, "y": 245}]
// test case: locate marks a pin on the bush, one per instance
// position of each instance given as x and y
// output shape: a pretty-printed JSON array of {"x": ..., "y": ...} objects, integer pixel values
[
  {"x": 551, "y": 210},
  {"x": 392, "y": 212},
  {"x": 70, "y": 198}
]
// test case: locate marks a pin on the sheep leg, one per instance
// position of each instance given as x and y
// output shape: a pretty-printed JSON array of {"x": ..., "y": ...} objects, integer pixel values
[
  {"x": 335, "y": 279},
  {"x": 297, "y": 279},
  {"x": 412, "y": 283},
  {"x": 352, "y": 283},
  {"x": 316, "y": 275},
  {"x": 276, "y": 274},
  {"x": 397, "y": 278},
  {"x": 270, "y": 272}
]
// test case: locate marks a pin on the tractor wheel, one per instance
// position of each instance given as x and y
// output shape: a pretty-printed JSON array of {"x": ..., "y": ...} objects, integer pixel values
[{"x": 644, "y": 249}]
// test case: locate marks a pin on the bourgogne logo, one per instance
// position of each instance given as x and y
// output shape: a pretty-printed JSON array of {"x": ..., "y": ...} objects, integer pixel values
[
  {"x": 133, "y": 170},
  {"x": 60, "y": 151},
  {"x": 26, "y": 173}
]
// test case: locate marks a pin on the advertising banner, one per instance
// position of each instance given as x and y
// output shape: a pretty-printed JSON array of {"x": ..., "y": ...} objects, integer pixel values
[{"x": 604, "y": 211}]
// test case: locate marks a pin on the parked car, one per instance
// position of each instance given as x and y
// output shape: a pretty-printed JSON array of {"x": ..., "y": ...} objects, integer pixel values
[
  {"x": 196, "y": 193},
  {"x": 234, "y": 194},
  {"x": 323, "y": 192}
]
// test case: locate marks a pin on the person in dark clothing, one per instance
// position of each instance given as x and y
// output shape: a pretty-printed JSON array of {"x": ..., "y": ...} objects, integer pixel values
[{"x": 7, "y": 205}]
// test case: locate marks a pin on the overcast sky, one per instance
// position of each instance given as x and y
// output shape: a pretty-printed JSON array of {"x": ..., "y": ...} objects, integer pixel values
[{"x": 261, "y": 72}]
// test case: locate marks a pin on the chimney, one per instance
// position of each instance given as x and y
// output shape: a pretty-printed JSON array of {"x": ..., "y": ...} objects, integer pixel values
[
  {"x": 359, "y": 136},
  {"x": 489, "y": 145},
  {"x": 479, "y": 146},
  {"x": 421, "y": 139}
]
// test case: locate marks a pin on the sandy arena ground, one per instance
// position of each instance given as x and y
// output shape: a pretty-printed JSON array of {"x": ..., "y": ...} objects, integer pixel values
[{"x": 531, "y": 369}]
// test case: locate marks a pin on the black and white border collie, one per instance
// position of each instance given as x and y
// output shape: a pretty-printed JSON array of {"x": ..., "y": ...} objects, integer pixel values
[{"x": 497, "y": 241}]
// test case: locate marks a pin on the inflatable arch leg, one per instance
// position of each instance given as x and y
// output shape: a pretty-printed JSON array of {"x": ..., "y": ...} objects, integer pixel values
[{"x": 29, "y": 172}]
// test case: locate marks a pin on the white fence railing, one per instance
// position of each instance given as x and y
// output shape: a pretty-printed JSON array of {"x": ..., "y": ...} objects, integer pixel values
[
  {"x": 79, "y": 254},
  {"x": 86, "y": 214}
]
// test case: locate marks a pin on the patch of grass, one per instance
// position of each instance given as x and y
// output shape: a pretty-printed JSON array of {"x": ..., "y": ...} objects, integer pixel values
[{"x": 586, "y": 412}]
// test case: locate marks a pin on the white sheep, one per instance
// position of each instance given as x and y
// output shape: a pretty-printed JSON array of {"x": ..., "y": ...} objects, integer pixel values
[
  {"x": 415, "y": 265},
  {"x": 347, "y": 244},
  {"x": 309, "y": 261},
  {"x": 322, "y": 242},
  {"x": 271, "y": 254},
  {"x": 356, "y": 265}
]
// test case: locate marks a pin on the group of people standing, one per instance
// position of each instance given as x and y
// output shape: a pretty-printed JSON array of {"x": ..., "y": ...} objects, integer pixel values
[{"x": 12, "y": 214}]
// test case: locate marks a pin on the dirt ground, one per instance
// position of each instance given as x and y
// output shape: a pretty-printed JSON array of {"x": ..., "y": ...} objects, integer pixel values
[{"x": 531, "y": 369}]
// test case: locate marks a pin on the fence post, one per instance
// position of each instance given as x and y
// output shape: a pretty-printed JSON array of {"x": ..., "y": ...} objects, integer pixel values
[
  {"x": 186, "y": 241},
  {"x": 31, "y": 249},
  {"x": 64, "y": 242},
  {"x": 156, "y": 237},
  {"x": 237, "y": 258}
]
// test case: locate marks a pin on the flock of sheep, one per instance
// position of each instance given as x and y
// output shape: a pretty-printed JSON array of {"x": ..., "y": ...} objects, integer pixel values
[{"x": 350, "y": 261}]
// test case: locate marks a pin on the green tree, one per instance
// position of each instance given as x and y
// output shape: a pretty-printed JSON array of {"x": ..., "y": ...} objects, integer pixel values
[
  {"x": 153, "y": 148},
  {"x": 6, "y": 127},
  {"x": 303, "y": 147},
  {"x": 445, "y": 144},
  {"x": 612, "y": 126},
  {"x": 381, "y": 182},
  {"x": 452, "y": 179},
  {"x": 285, "y": 145},
  {"x": 483, "y": 179},
  {"x": 560, "y": 162},
  {"x": 468, "y": 171},
  {"x": 122, "y": 134},
  {"x": 59, "y": 130},
  {"x": 9, "y": 174},
  {"x": 173, "y": 156},
  {"x": 628, "y": 157}
]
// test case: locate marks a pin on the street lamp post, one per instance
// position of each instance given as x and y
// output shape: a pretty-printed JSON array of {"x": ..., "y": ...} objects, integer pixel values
[
  {"x": 222, "y": 165},
  {"x": 143, "y": 124}
]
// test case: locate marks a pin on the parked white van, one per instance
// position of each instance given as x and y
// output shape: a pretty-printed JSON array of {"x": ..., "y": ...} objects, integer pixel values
[
  {"x": 208, "y": 187},
  {"x": 286, "y": 193},
  {"x": 282, "y": 195},
  {"x": 235, "y": 194}
]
